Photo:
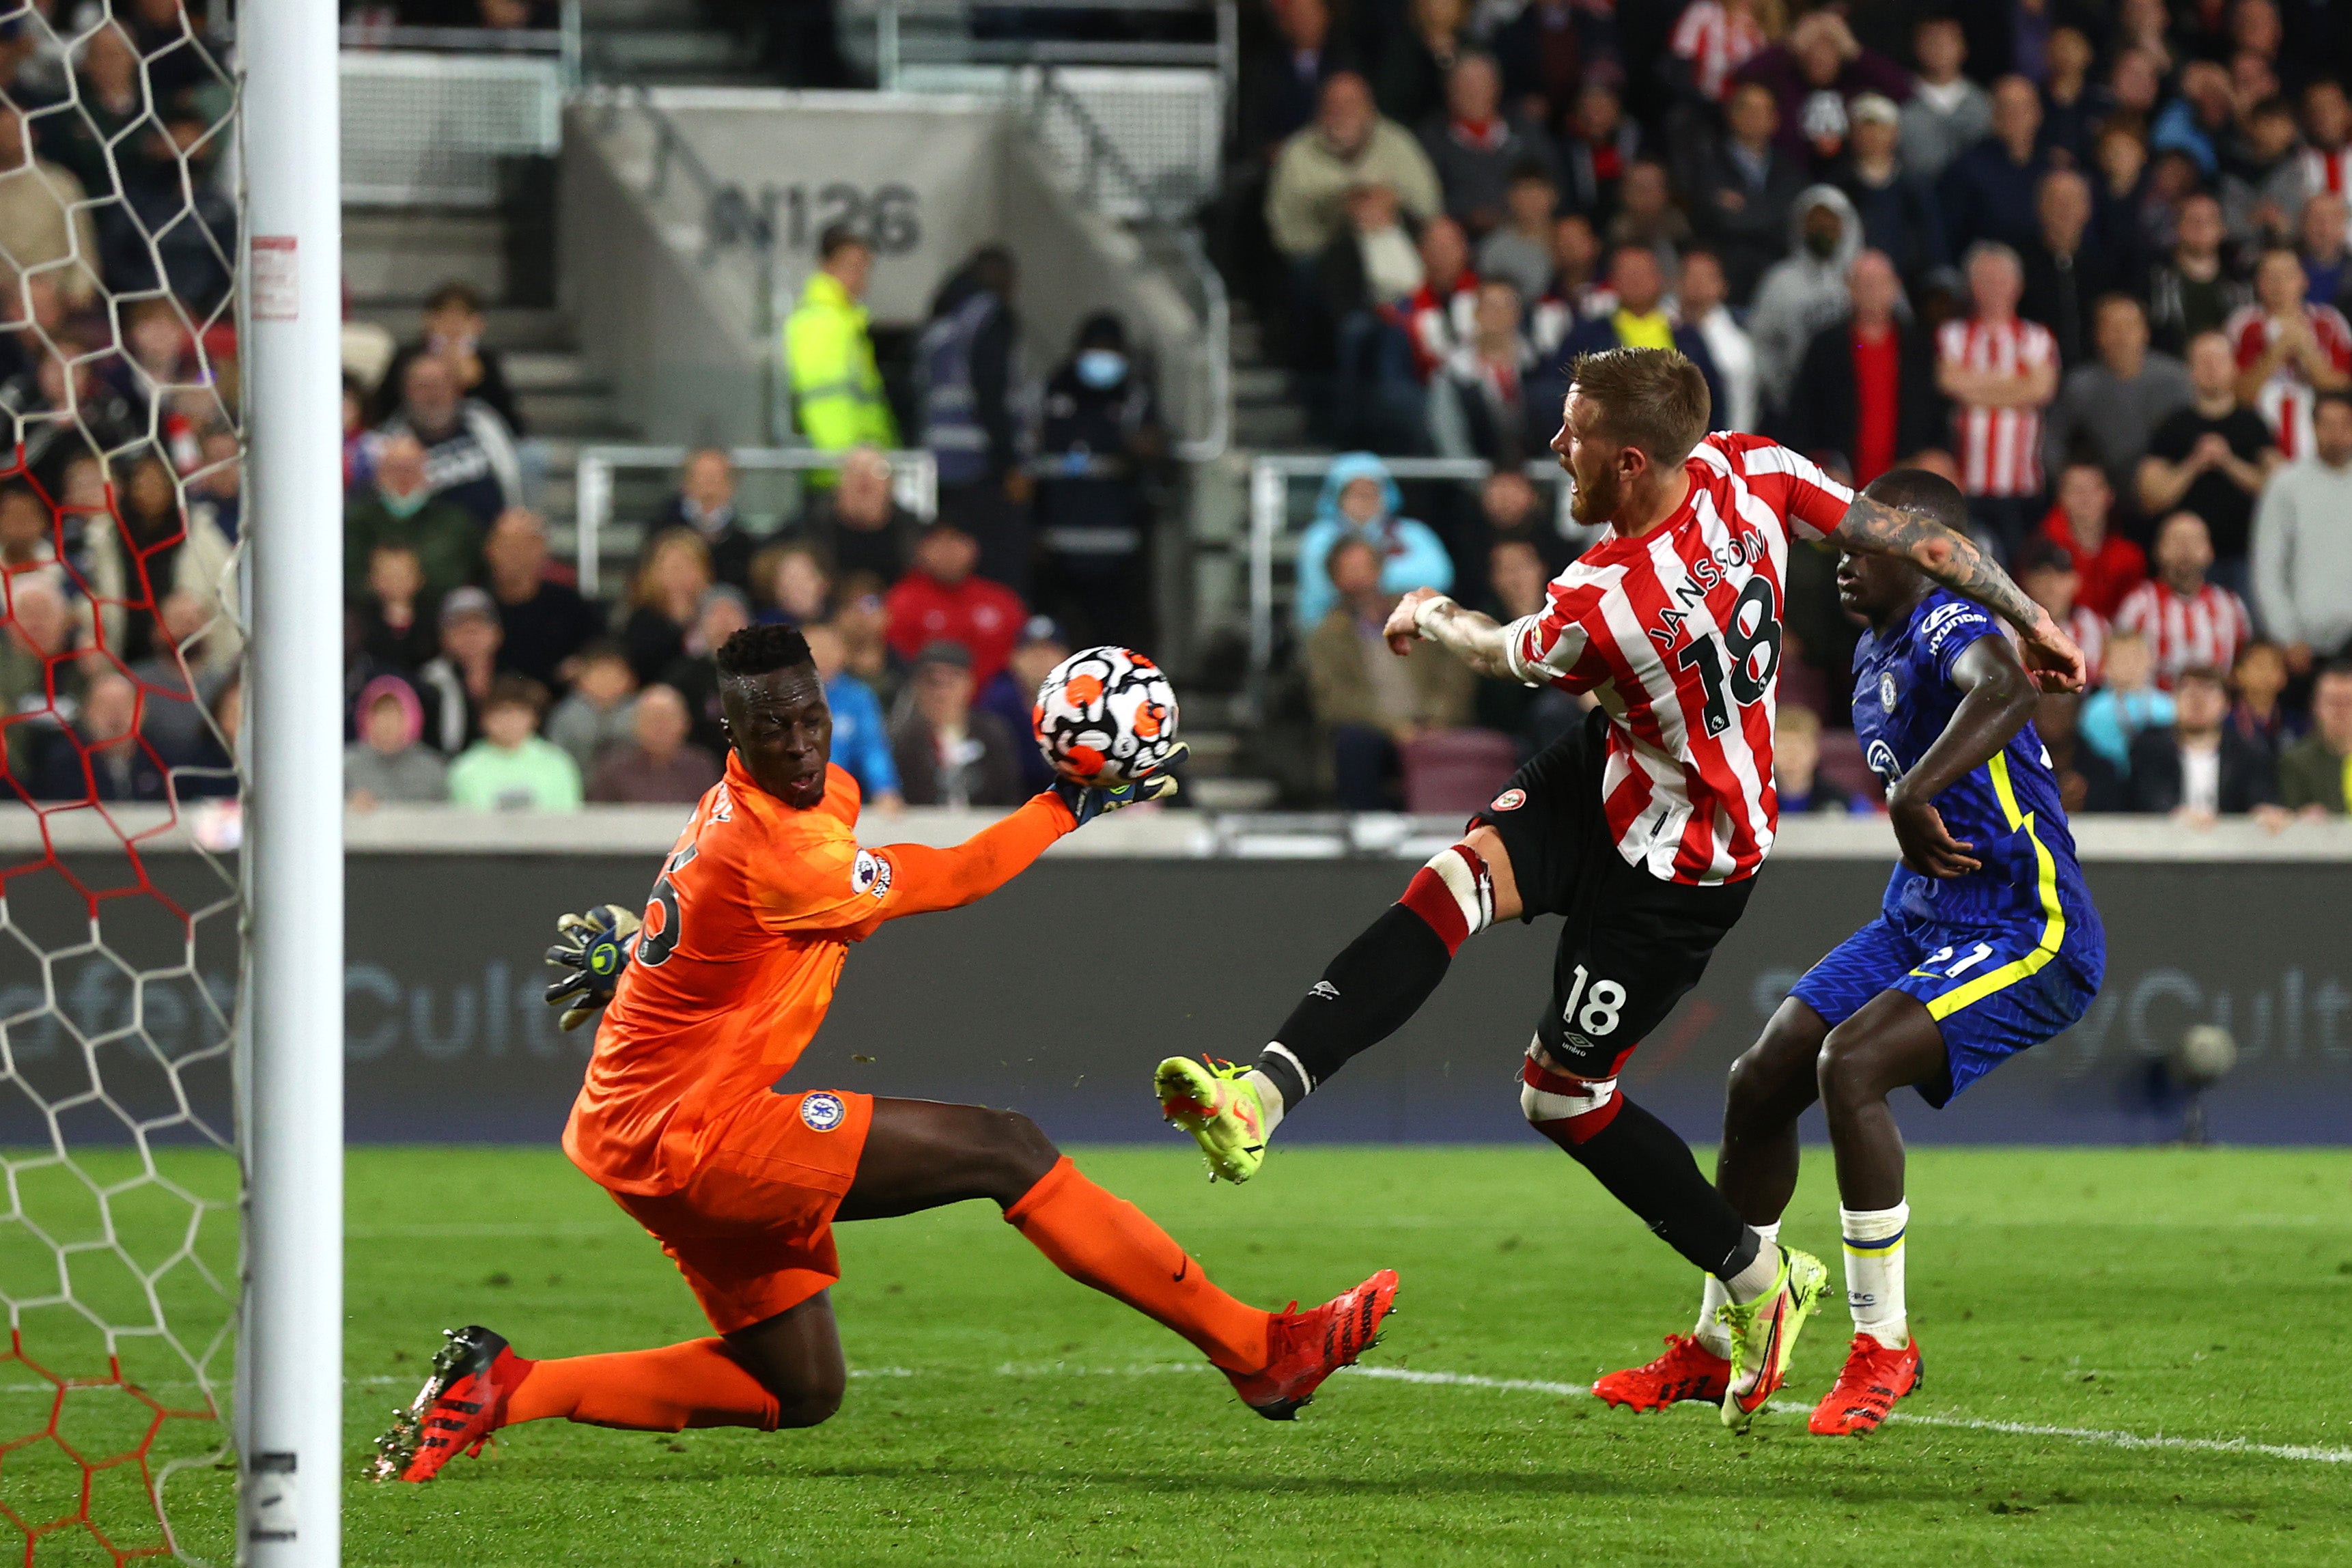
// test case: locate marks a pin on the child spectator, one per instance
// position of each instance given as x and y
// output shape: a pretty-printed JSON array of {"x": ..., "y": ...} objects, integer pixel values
[
  {"x": 948, "y": 754},
  {"x": 2127, "y": 703},
  {"x": 399, "y": 619},
  {"x": 595, "y": 714},
  {"x": 2315, "y": 773},
  {"x": 386, "y": 766},
  {"x": 453, "y": 327},
  {"x": 658, "y": 765},
  {"x": 941, "y": 600},
  {"x": 2259, "y": 679},
  {"x": 2200, "y": 768},
  {"x": 546, "y": 623},
  {"x": 510, "y": 768},
  {"x": 864, "y": 624},
  {"x": 1360, "y": 500},
  {"x": 664, "y": 598},
  {"x": 861, "y": 744},
  {"x": 2109, "y": 566},
  {"x": 1796, "y": 762},
  {"x": 2190, "y": 622}
]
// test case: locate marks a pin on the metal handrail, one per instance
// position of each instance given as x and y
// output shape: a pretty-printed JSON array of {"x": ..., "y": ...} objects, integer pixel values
[
  {"x": 914, "y": 484},
  {"x": 1183, "y": 238}
]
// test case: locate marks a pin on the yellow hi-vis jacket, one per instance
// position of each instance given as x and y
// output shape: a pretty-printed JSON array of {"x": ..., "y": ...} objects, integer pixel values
[{"x": 837, "y": 400}]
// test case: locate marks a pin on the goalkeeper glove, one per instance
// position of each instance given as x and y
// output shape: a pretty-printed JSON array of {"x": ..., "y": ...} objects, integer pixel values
[
  {"x": 596, "y": 947},
  {"x": 1087, "y": 802}
]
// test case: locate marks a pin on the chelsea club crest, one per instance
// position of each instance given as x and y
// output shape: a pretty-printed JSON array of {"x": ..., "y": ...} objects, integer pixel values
[{"x": 1887, "y": 689}]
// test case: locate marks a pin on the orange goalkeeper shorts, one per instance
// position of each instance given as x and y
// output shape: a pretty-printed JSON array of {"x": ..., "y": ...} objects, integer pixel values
[{"x": 753, "y": 1230}]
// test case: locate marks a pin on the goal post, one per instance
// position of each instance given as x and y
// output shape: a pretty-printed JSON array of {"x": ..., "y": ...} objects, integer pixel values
[{"x": 289, "y": 1414}]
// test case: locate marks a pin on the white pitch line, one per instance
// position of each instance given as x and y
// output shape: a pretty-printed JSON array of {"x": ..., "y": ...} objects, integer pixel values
[{"x": 2305, "y": 1453}]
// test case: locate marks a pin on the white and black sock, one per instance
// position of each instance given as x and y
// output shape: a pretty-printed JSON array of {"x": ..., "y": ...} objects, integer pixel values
[{"x": 1874, "y": 1272}]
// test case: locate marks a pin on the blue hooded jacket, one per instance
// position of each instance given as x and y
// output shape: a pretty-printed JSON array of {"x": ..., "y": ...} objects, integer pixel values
[{"x": 1411, "y": 554}]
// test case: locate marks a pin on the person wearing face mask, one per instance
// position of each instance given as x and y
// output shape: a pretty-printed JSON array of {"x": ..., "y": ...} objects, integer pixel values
[
  {"x": 1101, "y": 433},
  {"x": 1806, "y": 290}
]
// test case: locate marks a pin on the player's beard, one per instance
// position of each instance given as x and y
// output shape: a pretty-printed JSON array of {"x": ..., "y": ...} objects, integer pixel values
[{"x": 1595, "y": 499}]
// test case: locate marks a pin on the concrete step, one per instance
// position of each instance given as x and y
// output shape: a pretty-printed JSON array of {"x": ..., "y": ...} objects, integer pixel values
[
  {"x": 510, "y": 328},
  {"x": 1270, "y": 426},
  {"x": 406, "y": 254}
]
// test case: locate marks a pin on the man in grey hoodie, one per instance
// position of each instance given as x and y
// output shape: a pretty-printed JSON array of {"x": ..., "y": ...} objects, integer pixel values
[
  {"x": 2303, "y": 544},
  {"x": 1806, "y": 290}
]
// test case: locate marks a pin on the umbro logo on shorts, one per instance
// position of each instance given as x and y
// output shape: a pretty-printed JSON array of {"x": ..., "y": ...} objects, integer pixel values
[{"x": 822, "y": 1113}]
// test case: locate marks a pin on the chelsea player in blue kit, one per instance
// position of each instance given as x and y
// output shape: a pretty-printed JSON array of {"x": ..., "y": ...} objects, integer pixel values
[{"x": 1986, "y": 944}]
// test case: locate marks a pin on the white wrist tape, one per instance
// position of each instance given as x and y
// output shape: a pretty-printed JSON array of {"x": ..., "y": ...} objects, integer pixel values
[{"x": 1427, "y": 608}]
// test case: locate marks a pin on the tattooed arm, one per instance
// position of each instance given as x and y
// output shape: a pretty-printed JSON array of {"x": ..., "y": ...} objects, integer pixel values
[
  {"x": 1871, "y": 527},
  {"x": 1478, "y": 641}
]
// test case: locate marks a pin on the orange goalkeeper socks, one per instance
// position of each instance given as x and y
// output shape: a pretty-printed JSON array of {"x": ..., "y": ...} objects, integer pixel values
[
  {"x": 1106, "y": 1242},
  {"x": 696, "y": 1384}
]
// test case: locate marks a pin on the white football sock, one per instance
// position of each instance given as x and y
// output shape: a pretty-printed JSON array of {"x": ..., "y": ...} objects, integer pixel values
[
  {"x": 1269, "y": 1097},
  {"x": 1711, "y": 1333},
  {"x": 1874, "y": 1272}
]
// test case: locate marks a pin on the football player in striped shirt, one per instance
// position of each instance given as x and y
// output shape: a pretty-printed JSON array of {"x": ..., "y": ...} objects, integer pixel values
[
  {"x": 1986, "y": 944},
  {"x": 1644, "y": 828}
]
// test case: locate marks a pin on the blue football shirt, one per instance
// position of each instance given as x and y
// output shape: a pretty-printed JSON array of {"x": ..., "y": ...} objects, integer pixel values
[{"x": 2007, "y": 808}]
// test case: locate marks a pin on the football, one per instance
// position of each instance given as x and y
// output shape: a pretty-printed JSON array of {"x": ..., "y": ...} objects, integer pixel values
[{"x": 1105, "y": 715}]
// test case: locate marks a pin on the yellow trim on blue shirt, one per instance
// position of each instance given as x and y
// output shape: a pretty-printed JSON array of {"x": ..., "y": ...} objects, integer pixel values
[{"x": 2053, "y": 926}]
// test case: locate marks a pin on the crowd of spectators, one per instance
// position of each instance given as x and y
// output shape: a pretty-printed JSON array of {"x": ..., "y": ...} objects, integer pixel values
[
  {"x": 2089, "y": 261},
  {"x": 480, "y": 676},
  {"x": 120, "y": 505}
]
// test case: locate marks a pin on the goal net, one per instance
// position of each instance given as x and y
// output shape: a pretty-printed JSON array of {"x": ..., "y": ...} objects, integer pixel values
[{"x": 121, "y": 672}]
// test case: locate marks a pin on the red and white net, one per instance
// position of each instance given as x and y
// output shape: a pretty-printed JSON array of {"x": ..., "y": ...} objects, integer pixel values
[{"x": 120, "y": 669}]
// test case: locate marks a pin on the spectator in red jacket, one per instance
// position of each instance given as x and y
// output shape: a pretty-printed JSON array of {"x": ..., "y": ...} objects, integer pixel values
[
  {"x": 940, "y": 600},
  {"x": 2081, "y": 525}
]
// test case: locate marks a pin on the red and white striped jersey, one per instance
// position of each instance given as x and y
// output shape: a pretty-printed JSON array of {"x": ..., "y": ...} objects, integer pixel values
[
  {"x": 2000, "y": 448},
  {"x": 1439, "y": 322},
  {"x": 2285, "y": 400},
  {"x": 2089, "y": 630},
  {"x": 2187, "y": 631},
  {"x": 2327, "y": 169},
  {"x": 1678, "y": 634},
  {"x": 1716, "y": 44}
]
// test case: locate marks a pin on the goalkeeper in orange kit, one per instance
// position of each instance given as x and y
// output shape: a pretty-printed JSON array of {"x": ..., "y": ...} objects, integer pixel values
[{"x": 727, "y": 979}]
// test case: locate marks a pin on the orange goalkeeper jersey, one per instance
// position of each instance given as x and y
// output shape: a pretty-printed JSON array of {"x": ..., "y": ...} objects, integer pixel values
[{"x": 743, "y": 942}]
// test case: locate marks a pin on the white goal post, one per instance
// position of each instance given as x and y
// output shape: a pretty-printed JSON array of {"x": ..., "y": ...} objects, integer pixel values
[{"x": 289, "y": 1407}]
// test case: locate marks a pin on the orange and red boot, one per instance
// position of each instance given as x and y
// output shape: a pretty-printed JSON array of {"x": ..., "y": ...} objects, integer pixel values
[
  {"x": 1687, "y": 1370},
  {"x": 454, "y": 1411},
  {"x": 1305, "y": 1347},
  {"x": 1874, "y": 1378}
]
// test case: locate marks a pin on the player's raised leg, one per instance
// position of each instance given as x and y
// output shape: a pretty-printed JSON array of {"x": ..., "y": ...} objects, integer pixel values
[
  {"x": 1770, "y": 1086},
  {"x": 1365, "y": 994}
]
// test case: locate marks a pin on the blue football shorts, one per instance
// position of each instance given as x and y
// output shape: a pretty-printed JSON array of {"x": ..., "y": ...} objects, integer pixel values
[{"x": 1993, "y": 991}]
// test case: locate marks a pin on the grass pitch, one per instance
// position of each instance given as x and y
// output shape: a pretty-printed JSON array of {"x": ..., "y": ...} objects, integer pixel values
[{"x": 1000, "y": 1414}]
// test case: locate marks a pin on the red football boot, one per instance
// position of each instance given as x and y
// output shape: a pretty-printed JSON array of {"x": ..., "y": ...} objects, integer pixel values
[
  {"x": 452, "y": 1413},
  {"x": 1305, "y": 1347},
  {"x": 1874, "y": 1377},
  {"x": 1687, "y": 1370}
]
